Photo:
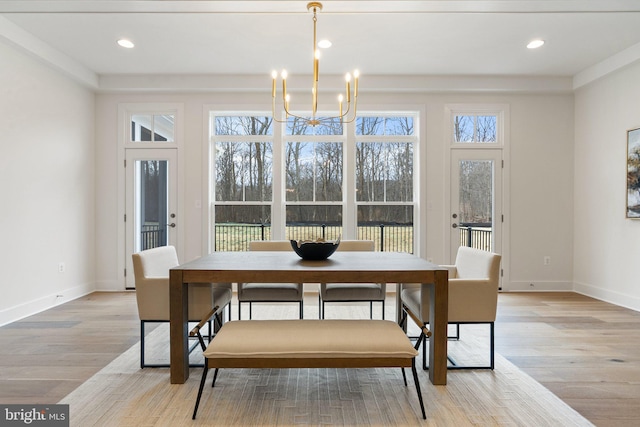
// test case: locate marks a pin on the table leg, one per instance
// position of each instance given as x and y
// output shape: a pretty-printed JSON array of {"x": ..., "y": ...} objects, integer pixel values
[
  {"x": 438, "y": 318},
  {"x": 178, "y": 312}
]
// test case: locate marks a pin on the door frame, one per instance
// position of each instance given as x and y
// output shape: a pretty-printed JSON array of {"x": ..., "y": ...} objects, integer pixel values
[
  {"x": 503, "y": 137},
  {"x": 125, "y": 112},
  {"x": 132, "y": 155}
]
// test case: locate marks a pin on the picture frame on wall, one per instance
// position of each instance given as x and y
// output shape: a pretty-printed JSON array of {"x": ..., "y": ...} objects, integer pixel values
[{"x": 633, "y": 173}]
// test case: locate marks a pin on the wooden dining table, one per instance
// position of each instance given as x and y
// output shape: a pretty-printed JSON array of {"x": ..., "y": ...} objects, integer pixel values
[{"x": 288, "y": 267}]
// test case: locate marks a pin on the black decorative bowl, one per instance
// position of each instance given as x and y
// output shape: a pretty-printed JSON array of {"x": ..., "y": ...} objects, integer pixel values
[{"x": 314, "y": 250}]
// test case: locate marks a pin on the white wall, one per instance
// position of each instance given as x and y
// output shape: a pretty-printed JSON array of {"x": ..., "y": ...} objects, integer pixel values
[
  {"x": 61, "y": 199},
  {"x": 606, "y": 250},
  {"x": 541, "y": 199},
  {"x": 47, "y": 211}
]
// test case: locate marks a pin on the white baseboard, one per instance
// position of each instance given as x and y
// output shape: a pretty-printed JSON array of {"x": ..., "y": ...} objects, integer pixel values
[
  {"x": 617, "y": 298},
  {"x": 538, "y": 286},
  {"x": 46, "y": 302},
  {"x": 109, "y": 286}
]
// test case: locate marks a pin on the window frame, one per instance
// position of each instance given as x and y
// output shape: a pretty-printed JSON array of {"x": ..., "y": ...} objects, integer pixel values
[{"x": 347, "y": 138}]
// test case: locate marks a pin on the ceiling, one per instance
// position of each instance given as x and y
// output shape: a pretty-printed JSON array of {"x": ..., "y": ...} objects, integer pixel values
[{"x": 437, "y": 38}]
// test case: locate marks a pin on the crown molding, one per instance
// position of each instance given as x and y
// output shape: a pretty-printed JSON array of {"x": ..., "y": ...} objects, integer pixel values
[
  {"x": 330, "y": 83},
  {"x": 608, "y": 66},
  {"x": 36, "y": 48}
]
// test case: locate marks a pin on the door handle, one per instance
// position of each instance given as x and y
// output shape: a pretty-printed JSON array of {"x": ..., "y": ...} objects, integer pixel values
[{"x": 172, "y": 225}]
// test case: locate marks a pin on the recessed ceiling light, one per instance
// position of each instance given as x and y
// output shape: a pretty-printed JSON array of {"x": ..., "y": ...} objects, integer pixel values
[
  {"x": 126, "y": 43},
  {"x": 324, "y": 44},
  {"x": 534, "y": 44}
]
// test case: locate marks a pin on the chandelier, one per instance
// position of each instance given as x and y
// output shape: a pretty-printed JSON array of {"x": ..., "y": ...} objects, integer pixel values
[{"x": 345, "y": 113}]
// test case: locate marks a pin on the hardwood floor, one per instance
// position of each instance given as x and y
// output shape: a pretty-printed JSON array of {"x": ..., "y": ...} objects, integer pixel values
[
  {"x": 46, "y": 356},
  {"x": 585, "y": 351}
]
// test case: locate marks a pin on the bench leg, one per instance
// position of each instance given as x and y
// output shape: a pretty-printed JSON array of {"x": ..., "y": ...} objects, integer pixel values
[
  {"x": 215, "y": 375},
  {"x": 415, "y": 380},
  {"x": 202, "y": 381},
  {"x": 404, "y": 377}
]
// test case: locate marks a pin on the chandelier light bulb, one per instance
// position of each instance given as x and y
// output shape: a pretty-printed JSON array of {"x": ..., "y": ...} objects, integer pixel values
[{"x": 284, "y": 74}]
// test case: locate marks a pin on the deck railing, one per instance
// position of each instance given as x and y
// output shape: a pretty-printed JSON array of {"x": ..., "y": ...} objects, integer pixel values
[
  {"x": 387, "y": 237},
  {"x": 476, "y": 235},
  {"x": 152, "y": 236}
]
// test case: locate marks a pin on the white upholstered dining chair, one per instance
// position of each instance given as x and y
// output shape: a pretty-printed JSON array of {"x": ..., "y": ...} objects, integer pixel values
[
  {"x": 473, "y": 297},
  {"x": 269, "y": 292},
  {"x": 353, "y": 292},
  {"x": 151, "y": 269}
]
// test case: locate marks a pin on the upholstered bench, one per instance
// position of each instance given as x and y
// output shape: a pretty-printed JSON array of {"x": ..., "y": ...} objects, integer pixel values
[{"x": 310, "y": 344}]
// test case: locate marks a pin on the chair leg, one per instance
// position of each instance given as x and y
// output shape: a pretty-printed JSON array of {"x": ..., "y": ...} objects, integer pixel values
[
  {"x": 239, "y": 310},
  {"x": 424, "y": 353},
  {"x": 250, "y": 306},
  {"x": 457, "y": 335},
  {"x": 301, "y": 310},
  {"x": 142, "y": 344},
  {"x": 382, "y": 309},
  {"x": 404, "y": 377},
  {"x": 322, "y": 311},
  {"x": 492, "y": 346},
  {"x": 417, "y": 383},
  {"x": 371, "y": 310},
  {"x": 403, "y": 321},
  {"x": 202, "y": 381}
]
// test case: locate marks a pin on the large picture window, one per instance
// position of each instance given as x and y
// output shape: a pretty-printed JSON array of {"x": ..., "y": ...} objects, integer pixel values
[
  {"x": 315, "y": 196},
  {"x": 313, "y": 168},
  {"x": 384, "y": 180},
  {"x": 243, "y": 153}
]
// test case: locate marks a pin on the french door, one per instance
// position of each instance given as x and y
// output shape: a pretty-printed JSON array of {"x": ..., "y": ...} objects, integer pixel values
[
  {"x": 476, "y": 200},
  {"x": 151, "y": 201}
]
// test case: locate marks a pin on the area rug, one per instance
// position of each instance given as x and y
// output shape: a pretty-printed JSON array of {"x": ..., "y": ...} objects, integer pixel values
[{"x": 122, "y": 394}]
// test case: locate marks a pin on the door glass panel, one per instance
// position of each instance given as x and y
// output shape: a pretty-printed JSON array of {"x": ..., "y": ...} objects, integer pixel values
[
  {"x": 475, "y": 208},
  {"x": 152, "y": 213},
  {"x": 150, "y": 187}
]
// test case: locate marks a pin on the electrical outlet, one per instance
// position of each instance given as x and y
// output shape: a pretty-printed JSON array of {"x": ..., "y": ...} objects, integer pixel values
[
  {"x": 61, "y": 267},
  {"x": 546, "y": 260}
]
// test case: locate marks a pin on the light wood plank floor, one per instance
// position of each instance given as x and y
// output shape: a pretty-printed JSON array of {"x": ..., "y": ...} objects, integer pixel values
[{"x": 584, "y": 350}]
